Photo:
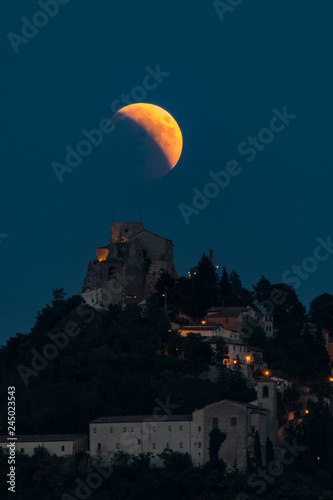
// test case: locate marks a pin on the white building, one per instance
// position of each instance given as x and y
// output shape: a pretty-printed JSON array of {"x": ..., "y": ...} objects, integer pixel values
[
  {"x": 190, "y": 433},
  {"x": 56, "y": 444}
]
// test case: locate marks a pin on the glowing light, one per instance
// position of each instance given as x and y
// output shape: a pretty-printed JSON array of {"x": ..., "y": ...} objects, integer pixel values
[
  {"x": 306, "y": 411},
  {"x": 235, "y": 361},
  {"x": 248, "y": 359},
  {"x": 266, "y": 373},
  {"x": 203, "y": 322}
]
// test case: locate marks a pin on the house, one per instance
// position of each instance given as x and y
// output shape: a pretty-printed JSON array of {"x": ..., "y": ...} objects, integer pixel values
[
  {"x": 190, "y": 433},
  {"x": 240, "y": 318},
  {"x": 56, "y": 444}
]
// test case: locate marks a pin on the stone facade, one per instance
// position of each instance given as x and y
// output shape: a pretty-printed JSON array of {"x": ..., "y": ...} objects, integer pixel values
[
  {"x": 190, "y": 433},
  {"x": 128, "y": 267},
  {"x": 57, "y": 444}
]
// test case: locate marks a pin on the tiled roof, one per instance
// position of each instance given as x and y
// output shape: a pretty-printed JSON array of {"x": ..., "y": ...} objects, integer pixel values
[
  {"x": 30, "y": 438},
  {"x": 142, "y": 418}
]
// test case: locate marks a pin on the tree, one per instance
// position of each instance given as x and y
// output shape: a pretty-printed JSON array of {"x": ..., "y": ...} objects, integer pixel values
[
  {"x": 216, "y": 439},
  {"x": 205, "y": 284},
  {"x": 195, "y": 349},
  {"x": 270, "y": 455},
  {"x": 321, "y": 311},
  {"x": 225, "y": 289},
  {"x": 257, "y": 450},
  {"x": 240, "y": 295}
]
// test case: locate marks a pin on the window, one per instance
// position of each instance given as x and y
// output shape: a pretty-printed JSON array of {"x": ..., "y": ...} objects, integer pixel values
[
  {"x": 132, "y": 429},
  {"x": 21, "y": 450},
  {"x": 62, "y": 448},
  {"x": 92, "y": 301},
  {"x": 215, "y": 422},
  {"x": 234, "y": 348},
  {"x": 226, "y": 321},
  {"x": 112, "y": 273},
  {"x": 170, "y": 427},
  {"x": 180, "y": 445},
  {"x": 118, "y": 446},
  {"x": 233, "y": 421},
  {"x": 199, "y": 444},
  {"x": 181, "y": 428},
  {"x": 125, "y": 429},
  {"x": 139, "y": 441},
  {"x": 99, "y": 447},
  {"x": 199, "y": 428},
  {"x": 266, "y": 328},
  {"x": 154, "y": 446},
  {"x": 95, "y": 430},
  {"x": 253, "y": 430},
  {"x": 168, "y": 446},
  {"x": 111, "y": 429},
  {"x": 265, "y": 392},
  {"x": 154, "y": 428}
]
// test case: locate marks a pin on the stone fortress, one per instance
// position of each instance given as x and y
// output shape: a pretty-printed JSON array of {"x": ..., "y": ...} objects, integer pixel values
[{"x": 126, "y": 270}]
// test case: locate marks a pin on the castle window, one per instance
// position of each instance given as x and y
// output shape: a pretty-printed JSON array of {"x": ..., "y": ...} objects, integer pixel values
[
  {"x": 118, "y": 446},
  {"x": 181, "y": 428},
  {"x": 154, "y": 446},
  {"x": 265, "y": 392},
  {"x": 170, "y": 428},
  {"x": 139, "y": 441},
  {"x": 21, "y": 450},
  {"x": 168, "y": 446},
  {"x": 199, "y": 428},
  {"x": 199, "y": 444},
  {"x": 111, "y": 429},
  {"x": 154, "y": 428},
  {"x": 62, "y": 448},
  {"x": 180, "y": 445},
  {"x": 112, "y": 273},
  {"x": 233, "y": 421},
  {"x": 215, "y": 422},
  {"x": 99, "y": 447},
  {"x": 132, "y": 429},
  {"x": 226, "y": 321},
  {"x": 253, "y": 430},
  {"x": 125, "y": 429},
  {"x": 95, "y": 430},
  {"x": 92, "y": 301}
]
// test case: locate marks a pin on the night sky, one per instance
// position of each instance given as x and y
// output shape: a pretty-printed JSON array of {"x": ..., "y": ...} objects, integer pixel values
[{"x": 220, "y": 76}]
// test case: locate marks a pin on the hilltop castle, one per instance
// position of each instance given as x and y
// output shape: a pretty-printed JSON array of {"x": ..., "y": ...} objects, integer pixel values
[{"x": 126, "y": 270}]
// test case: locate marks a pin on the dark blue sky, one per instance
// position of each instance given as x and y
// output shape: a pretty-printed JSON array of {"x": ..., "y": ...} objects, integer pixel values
[{"x": 224, "y": 80}]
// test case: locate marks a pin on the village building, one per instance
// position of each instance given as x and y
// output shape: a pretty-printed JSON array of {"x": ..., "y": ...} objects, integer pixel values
[
  {"x": 55, "y": 444},
  {"x": 242, "y": 319},
  {"x": 190, "y": 433}
]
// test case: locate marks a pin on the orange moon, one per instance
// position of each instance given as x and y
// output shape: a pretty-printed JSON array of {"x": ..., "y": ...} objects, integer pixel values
[{"x": 150, "y": 141}]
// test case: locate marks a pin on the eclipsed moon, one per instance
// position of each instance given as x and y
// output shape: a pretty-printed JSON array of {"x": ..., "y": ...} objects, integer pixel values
[{"x": 149, "y": 141}]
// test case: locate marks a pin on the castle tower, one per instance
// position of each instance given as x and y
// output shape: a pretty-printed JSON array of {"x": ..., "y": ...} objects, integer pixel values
[{"x": 267, "y": 398}]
